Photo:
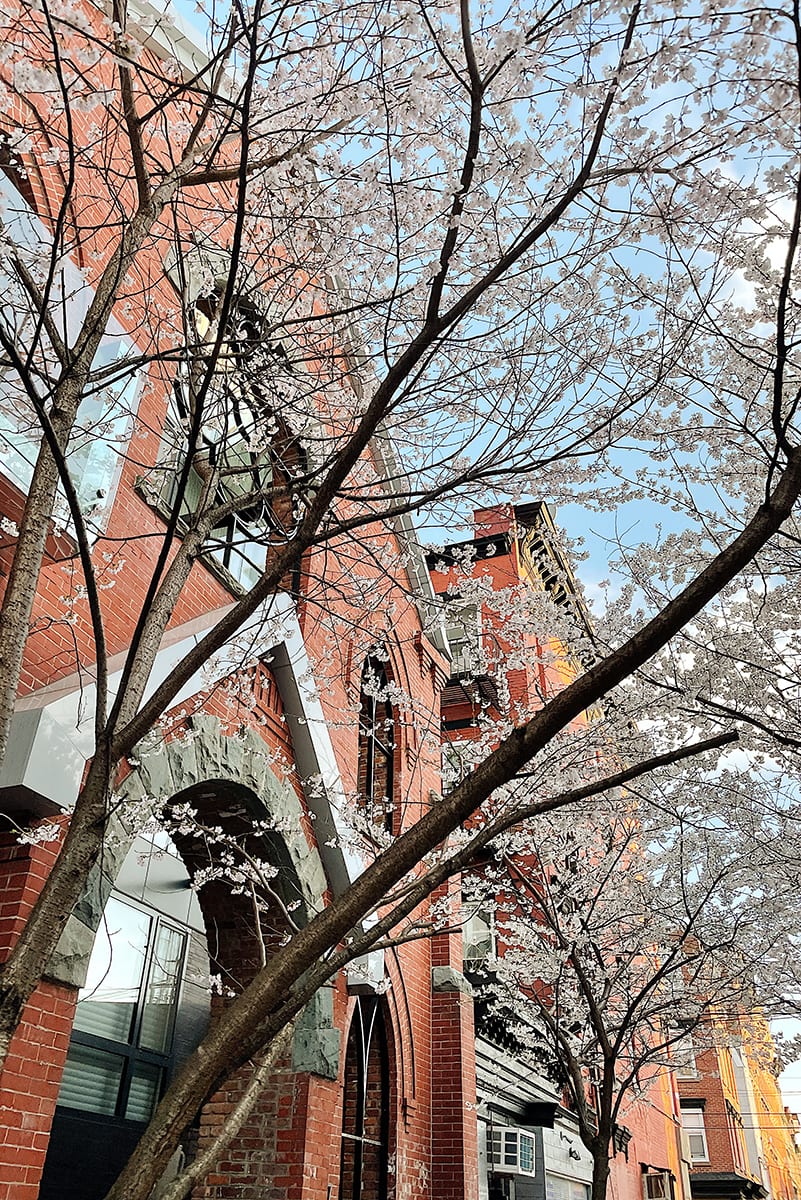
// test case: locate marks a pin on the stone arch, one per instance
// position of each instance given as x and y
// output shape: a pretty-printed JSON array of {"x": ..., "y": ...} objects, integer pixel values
[{"x": 232, "y": 776}]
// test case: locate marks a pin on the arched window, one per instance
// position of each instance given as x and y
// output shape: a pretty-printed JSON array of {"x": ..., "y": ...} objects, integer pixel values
[
  {"x": 239, "y": 392},
  {"x": 365, "y": 1106},
  {"x": 376, "y": 743},
  {"x": 243, "y": 435}
]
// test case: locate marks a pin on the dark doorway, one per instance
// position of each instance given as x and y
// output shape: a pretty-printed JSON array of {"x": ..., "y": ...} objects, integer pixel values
[{"x": 366, "y": 1105}]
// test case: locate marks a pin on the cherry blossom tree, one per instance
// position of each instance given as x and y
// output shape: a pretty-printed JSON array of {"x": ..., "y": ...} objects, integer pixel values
[
  {"x": 371, "y": 262},
  {"x": 629, "y": 936}
]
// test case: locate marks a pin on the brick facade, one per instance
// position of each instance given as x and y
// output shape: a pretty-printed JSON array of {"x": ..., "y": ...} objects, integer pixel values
[{"x": 241, "y": 749}]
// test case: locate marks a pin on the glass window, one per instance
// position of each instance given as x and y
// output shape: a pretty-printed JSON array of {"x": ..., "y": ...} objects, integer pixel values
[
  {"x": 102, "y": 423},
  {"x": 734, "y": 1122},
  {"x": 91, "y": 1080},
  {"x": 526, "y": 1153},
  {"x": 557, "y": 1187},
  {"x": 143, "y": 1092},
  {"x": 512, "y": 1150},
  {"x": 377, "y": 744},
  {"x": 242, "y": 432},
  {"x": 656, "y": 1186},
  {"x": 161, "y": 994},
  {"x": 366, "y": 1102},
  {"x": 693, "y": 1121},
  {"x": 123, "y": 1031},
  {"x": 99, "y": 434},
  {"x": 684, "y": 1055},
  {"x": 478, "y": 937},
  {"x": 103, "y": 416},
  {"x": 237, "y": 546},
  {"x": 107, "y": 1004},
  {"x": 464, "y": 639}
]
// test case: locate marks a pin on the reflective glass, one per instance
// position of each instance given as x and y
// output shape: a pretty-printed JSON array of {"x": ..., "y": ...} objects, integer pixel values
[
  {"x": 161, "y": 993},
  {"x": 107, "y": 1004},
  {"x": 91, "y": 1080},
  {"x": 143, "y": 1092}
]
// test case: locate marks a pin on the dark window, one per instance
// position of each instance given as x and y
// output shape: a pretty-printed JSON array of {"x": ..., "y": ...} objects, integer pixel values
[
  {"x": 365, "y": 1106},
  {"x": 377, "y": 744}
]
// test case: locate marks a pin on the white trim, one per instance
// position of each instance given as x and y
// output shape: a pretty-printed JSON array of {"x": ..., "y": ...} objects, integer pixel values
[
  {"x": 503, "y": 1145},
  {"x": 314, "y": 722},
  {"x": 53, "y": 728},
  {"x": 167, "y": 34},
  {"x": 697, "y": 1130}
]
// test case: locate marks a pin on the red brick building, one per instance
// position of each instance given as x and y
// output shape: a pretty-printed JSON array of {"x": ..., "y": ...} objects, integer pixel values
[
  {"x": 515, "y": 552},
  {"x": 741, "y": 1140},
  {"x": 332, "y": 700},
  {"x": 385, "y": 1089},
  {"x": 128, "y": 994}
]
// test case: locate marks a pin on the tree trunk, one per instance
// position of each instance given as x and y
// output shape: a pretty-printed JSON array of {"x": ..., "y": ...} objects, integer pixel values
[
  {"x": 20, "y": 592},
  {"x": 600, "y": 1171}
]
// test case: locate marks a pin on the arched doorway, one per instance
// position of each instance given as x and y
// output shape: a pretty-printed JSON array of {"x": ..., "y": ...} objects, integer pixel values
[
  {"x": 366, "y": 1107},
  {"x": 229, "y": 783},
  {"x": 157, "y": 945}
]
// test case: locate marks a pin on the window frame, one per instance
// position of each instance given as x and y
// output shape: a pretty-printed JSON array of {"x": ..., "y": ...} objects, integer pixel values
[
  {"x": 479, "y": 931},
  {"x": 684, "y": 1053},
  {"x": 120, "y": 407},
  {"x": 507, "y": 1135},
  {"x": 652, "y": 1176},
  {"x": 699, "y": 1130},
  {"x": 464, "y": 634},
  {"x": 368, "y": 1042},
  {"x": 736, "y": 1128},
  {"x": 227, "y": 551},
  {"x": 130, "y": 1052}
]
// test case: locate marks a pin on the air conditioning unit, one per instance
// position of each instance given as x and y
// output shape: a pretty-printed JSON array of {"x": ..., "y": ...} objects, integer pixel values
[{"x": 510, "y": 1150}]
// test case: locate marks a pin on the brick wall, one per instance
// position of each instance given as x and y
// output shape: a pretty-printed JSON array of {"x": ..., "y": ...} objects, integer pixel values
[
  {"x": 31, "y": 1075},
  {"x": 715, "y": 1090},
  {"x": 29, "y": 1086},
  {"x": 454, "y": 1173},
  {"x": 291, "y": 1142}
]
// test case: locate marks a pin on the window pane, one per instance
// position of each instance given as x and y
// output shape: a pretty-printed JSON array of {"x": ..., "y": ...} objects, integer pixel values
[
  {"x": 248, "y": 555},
  {"x": 102, "y": 425},
  {"x": 244, "y": 472},
  {"x": 91, "y": 1080},
  {"x": 161, "y": 994},
  {"x": 693, "y": 1122},
  {"x": 107, "y": 1003},
  {"x": 557, "y": 1188},
  {"x": 143, "y": 1093}
]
